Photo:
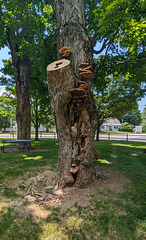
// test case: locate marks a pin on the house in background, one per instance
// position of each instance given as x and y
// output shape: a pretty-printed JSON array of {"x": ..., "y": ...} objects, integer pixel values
[{"x": 111, "y": 124}]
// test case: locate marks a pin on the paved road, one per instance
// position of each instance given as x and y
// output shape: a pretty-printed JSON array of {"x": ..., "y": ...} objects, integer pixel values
[{"x": 120, "y": 137}]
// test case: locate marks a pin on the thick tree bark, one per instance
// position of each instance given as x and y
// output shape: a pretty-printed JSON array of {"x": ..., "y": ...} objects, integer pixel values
[
  {"x": 22, "y": 76},
  {"x": 21, "y": 67},
  {"x": 75, "y": 117}
]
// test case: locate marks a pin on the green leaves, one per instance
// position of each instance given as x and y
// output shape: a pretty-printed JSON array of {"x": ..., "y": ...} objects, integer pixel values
[
  {"x": 8, "y": 103},
  {"x": 30, "y": 22},
  {"x": 133, "y": 117}
]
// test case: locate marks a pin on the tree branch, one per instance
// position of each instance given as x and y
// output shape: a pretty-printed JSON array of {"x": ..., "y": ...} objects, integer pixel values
[{"x": 102, "y": 48}]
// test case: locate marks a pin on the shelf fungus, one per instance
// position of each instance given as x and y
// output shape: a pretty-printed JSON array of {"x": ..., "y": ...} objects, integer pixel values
[
  {"x": 83, "y": 96},
  {"x": 84, "y": 86},
  {"x": 83, "y": 65},
  {"x": 74, "y": 169},
  {"x": 62, "y": 50},
  {"x": 85, "y": 71},
  {"x": 77, "y": 92},
  {"x": 77, "y": 100},
  {"x": 89, "y": 68},
  {"x": 65, "y": 51},
  {"x": 87, "y": 74},
  {"x": 81, "y": 82}
]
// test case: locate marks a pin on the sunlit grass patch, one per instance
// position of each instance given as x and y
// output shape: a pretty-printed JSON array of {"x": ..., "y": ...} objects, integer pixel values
[
  {"x": 33, "y": 158},
  {"x": 141, "y": 229},
  {"x": 53, "y": 231},
  {"x": 74, "y": 222},
  {"x": 104, "y": 161},
  {"x": 2, "y": 208}
]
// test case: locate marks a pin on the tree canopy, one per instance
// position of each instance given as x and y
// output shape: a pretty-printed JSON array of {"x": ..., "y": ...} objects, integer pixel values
[
  {"x": 133, "y": 118},
  {"x": 117, "y": 32}
]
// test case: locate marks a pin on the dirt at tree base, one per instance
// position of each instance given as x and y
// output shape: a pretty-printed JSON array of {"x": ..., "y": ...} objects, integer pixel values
[{"x": 107, "y": 179}]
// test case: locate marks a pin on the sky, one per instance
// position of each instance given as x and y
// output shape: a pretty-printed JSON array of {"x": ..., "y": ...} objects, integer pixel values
[{"x": 4, "y": 55}]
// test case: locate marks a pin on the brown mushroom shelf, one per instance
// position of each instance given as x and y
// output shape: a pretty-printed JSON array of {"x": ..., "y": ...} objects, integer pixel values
[
  {"x": 87, "y": 75},
  {"x": 67, "y": 53},
  {"x": 82, "y": 70},
  {"x": 74, "y": 170},
  {"x": 83, "y": 96},
  {"x": 83, "y": 65},
  {"x": 81, "y": 82},
  {"x": 89, "y": 68},
  {"x": 84, "y": 86},
  {"x": 77, "y": 92},
  {"x": 62, "y": 50}
]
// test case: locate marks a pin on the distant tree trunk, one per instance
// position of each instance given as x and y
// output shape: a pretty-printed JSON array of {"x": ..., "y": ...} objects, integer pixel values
[
  {"x": 75, "y": 117},
  {"x": 47, "y": 128},
  {"x": 35, "y": 119},
  {"x": 21, "y": 67},
  {"x": 23, "y": 117},
  {"x": 97, "y": 132},
  {"x": 36, "y": 122}
]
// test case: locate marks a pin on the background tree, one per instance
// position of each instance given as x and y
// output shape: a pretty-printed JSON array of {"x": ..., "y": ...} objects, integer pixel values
[
  {"x": 126, "y": 127},
  {"x": 4, "y": 122},
  {"x": 40, "y": 104},
  {"x": 115, "y": 96},
  {"x": 143, "y": 116},
  {"x": 117, "y": 29},
  {"x": 7, "y": 107},
  {"x": 21, "y": 29},
  {"x": 39, "y": 97},
  {"x": 133, "y": 117}
]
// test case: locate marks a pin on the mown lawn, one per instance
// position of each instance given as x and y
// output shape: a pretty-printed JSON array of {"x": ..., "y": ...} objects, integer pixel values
[{"x": 115, "y": 215}]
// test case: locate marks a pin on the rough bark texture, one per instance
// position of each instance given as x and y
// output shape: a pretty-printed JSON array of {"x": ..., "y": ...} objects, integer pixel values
[
  {"x": 23, "y": 105},
  {"x": 75, "y": 118},
  {"x": 21, "y": 67}
]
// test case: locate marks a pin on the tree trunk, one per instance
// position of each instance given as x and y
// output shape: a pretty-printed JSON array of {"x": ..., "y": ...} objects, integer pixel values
[
  {"x": 97, "y": 130},
  {"x": 21, "y": 67},
  {"x": 72, "y": 103},
  {"x": 23, "y": 117},
  {"x": 36, "y": 122}
]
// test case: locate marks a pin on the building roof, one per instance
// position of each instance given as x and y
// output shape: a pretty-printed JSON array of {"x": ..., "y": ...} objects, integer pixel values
[{"x": 112, "y": 121}]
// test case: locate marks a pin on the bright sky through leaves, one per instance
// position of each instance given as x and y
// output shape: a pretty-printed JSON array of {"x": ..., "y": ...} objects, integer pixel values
[{"x": 4, "y": 55}]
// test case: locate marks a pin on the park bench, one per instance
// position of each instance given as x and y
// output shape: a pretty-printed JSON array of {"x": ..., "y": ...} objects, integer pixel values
[{"x": 22, "y": 143}]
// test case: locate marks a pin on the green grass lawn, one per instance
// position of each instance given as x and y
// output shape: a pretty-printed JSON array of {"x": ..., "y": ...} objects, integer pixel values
[{"x": 113, "y": 216}]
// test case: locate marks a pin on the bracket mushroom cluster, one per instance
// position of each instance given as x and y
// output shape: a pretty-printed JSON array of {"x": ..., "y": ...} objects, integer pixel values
[
  {"x": 78, "y": 94},
  {"x": 65, "y": 51},
  {"x": 84, "y": 73},
  {"x": 74, "y": 168}
]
